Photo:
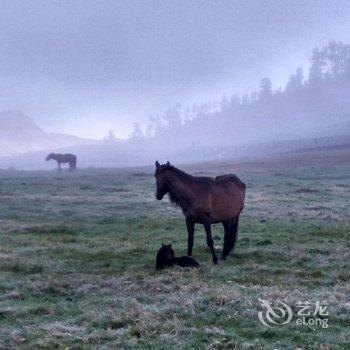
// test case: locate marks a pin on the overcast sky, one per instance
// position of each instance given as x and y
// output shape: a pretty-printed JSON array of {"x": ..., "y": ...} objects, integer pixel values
[{"x": 83, "y": 67}]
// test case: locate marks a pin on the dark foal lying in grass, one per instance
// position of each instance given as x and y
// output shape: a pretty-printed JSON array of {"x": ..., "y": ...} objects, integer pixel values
[{"x": 166, "y": 257}]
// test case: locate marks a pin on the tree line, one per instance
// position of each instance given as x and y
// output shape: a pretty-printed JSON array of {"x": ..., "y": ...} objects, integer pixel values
[{"x": 315, "y": 99}]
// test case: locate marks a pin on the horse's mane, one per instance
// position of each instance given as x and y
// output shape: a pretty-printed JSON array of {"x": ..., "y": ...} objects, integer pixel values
[
  {"x": 177, "y": 171},
  {"x": 173, "y": 199},
  {"x": 181, "y": 174}
]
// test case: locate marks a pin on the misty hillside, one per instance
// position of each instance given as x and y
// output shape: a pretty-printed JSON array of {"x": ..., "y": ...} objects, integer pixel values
[
  {"x": 19, "y": 134},
  {"x": 311, "y": 105}
]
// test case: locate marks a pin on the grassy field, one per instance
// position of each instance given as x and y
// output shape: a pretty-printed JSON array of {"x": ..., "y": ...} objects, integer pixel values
[{"x": 77, "y": 259}]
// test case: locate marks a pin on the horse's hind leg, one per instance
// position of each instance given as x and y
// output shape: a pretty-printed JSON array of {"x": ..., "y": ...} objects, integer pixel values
[
  {"x": 233, "y": 233},
  {"x": 226, "y": 248}
]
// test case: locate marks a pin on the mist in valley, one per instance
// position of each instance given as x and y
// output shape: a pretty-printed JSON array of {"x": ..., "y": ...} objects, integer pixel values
[{"x": 123, "y": 85}]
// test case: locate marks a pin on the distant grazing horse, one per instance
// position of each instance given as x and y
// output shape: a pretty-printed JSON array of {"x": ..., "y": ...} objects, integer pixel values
[
  {"x": 204, "y": 200},
  {"x": 63, "y": 158},
  {"x": 166, "y": 257}
]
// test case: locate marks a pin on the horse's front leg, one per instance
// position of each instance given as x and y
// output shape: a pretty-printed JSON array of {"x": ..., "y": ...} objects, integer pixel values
[
  {"x": 210, "y": 242},
  {"x": 59, "y": 166},
  {"x": 190, "y": 238}
]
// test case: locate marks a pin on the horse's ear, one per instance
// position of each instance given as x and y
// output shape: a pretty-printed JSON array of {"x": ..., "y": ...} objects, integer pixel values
[
  {"x": 163, "y": 245},
  {"x": 167, "y": 163},
  {"x": 157, "y": 164},
  {"x": 169, "y": 246}
]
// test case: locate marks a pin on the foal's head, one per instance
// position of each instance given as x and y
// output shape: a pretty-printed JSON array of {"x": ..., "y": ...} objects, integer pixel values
[
  {"x": 161, "y": 186},
  {"x": 166, "y": 251},
  {"x": 164, "y": 255}
]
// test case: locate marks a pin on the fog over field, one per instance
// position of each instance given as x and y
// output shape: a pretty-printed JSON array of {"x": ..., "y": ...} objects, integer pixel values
[{"x": 122, "y": 84}]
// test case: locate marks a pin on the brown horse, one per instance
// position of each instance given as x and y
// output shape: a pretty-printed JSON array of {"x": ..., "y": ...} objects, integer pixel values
[
  {"x": 204, "y": 200},
  {"x": 63, "y": 158}
]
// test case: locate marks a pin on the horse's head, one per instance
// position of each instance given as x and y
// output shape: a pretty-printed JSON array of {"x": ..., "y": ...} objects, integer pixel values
[
  {"x": 50, "y": 156},
  {"x": 161, "y": 186}
]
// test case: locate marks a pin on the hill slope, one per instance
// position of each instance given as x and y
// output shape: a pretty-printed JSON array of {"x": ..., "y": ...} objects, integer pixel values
[{"x": 19, "y": 134}]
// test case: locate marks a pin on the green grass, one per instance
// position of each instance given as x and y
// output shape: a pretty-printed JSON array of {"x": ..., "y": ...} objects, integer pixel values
[{"x": 77, "y": 265}]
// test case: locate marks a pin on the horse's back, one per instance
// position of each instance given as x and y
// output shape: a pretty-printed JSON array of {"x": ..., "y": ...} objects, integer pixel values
[
  {"x": 67, "y": 158},
  {"x": 70, "y": 156},
  {"x": 222, "y": 179},
  {"x": 228, "y": 196}
]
